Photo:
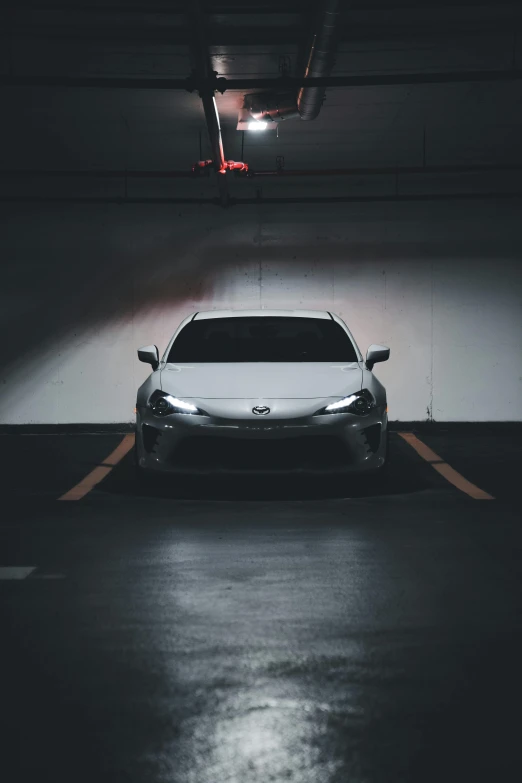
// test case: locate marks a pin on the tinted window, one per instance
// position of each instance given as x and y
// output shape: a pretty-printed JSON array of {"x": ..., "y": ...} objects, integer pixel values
[{"x": 262, "y": 339}]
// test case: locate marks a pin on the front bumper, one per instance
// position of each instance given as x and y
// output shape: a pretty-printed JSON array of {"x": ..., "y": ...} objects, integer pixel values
[{"x": 182, "y": 443}]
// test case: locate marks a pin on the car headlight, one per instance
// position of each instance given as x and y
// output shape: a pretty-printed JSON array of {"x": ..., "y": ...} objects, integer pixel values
[
  {"x": 163, "y": 404},
  {"x": 360, "y": 403}
]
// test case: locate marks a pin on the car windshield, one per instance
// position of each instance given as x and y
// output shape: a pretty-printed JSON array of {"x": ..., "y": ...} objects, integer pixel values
[{"x": 262, "y": 339}]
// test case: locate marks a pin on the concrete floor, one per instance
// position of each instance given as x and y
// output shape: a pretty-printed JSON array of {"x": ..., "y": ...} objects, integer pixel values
[{"x": 271, "y": 629}]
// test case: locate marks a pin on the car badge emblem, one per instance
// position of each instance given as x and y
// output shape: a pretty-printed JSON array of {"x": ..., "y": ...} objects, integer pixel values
[{"x": 261, "y": 410}]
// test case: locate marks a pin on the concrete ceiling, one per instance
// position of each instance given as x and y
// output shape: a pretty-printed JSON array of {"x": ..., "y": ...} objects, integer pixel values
[{"x": 61, "y": 128}]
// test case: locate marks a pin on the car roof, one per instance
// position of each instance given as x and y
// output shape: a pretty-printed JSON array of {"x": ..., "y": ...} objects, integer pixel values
[{"x": 244, "y": 313}]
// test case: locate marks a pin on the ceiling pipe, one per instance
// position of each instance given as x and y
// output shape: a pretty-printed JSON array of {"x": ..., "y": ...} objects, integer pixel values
[
  {"x": 509, "y": 195},
  {"x": 204, "y": 73},
  {"x": 278, "y": 105},
  {"x": 97, "y": 173},
  {"x": 203, "y": 167},
  {"x": 384, "y": 170},
  {"x": 320, "y": 60},
  {"x": 221, "y": 84},
  {"x": 106, "y": 200}
]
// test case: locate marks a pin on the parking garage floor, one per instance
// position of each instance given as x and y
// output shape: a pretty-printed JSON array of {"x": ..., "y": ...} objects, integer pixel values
[{"x": 261, "y": 628}]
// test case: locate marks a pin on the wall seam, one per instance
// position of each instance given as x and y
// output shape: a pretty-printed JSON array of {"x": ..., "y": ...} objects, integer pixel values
[{"x": 430, "y": 408}]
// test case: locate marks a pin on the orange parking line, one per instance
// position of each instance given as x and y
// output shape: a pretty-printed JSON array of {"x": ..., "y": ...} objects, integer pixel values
[
  {"x": 422, "y": 450},
  {"x": 100, "y": 471},
  {"x": 445, "y": 470},
  {"x": 120, "y": 451}
]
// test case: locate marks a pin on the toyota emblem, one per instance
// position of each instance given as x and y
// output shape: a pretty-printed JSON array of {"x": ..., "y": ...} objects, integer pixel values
[{"x": 261, "y": 410}]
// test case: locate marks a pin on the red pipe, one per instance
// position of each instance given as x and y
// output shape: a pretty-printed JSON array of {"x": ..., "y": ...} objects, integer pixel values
[
  {"x": 236, "y": 165},
  {"x": 202, "y": 166}
]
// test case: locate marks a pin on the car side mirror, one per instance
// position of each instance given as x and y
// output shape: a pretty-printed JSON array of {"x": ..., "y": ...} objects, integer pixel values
[
  {"x": 376, "y": 353},
  {"x": 149, "y": 355}
]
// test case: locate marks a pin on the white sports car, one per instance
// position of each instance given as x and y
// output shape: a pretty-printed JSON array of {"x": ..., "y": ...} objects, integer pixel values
[{"x": 261, "y": 390}]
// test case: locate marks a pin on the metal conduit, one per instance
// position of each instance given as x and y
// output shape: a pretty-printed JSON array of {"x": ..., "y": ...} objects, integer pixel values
[
  {"x": 464, "y": 196},
  {"x": 187, "y": 174},
  {"x": 320, "y": 61},
  {"x": 204, "y": 73},
  {"x": 222, "y": 84}
]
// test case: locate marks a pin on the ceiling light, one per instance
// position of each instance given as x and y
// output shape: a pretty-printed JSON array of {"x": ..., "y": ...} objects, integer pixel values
[
  {"x": 245, "y": 122},
  {"x": 257, "y": 125}
]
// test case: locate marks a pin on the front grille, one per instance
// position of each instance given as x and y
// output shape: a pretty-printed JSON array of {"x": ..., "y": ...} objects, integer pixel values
[
  {"x": 150, "y": 437},
  {"x": 234, "y": 453}
]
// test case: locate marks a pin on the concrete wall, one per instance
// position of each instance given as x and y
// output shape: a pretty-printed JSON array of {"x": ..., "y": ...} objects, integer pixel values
[{"x": 83, "y": 286}]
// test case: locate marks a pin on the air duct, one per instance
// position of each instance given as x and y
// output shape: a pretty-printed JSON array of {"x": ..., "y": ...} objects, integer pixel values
[
  {"x": 271, "y": 106},
  {"x": 274, "y": 107},
  {"x": 320, "y": 61}
]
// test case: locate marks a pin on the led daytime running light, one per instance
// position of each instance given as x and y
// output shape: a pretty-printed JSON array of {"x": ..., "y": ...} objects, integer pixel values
[
  {"x": 342, "y": 403},
  {"x": 185, "y": 406},
  {"x": 165, "y": 404}
]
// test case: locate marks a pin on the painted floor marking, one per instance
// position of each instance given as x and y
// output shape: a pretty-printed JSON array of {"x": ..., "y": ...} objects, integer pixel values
[
  {"x": 100, "y": 471},
  {"x": 445, "y": 470},
  {"x": 16, "y": 572}
]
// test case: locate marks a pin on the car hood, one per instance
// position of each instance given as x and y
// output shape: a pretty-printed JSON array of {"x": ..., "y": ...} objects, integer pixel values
[{"x": 260, "y": 380}]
